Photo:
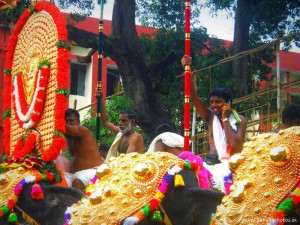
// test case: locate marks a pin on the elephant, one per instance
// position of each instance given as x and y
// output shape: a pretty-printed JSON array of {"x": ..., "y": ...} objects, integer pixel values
[
  {"x": 48, "y": 211},
  {"x": 127, "y": 181}
]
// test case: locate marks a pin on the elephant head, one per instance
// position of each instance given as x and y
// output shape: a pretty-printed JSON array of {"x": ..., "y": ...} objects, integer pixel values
[
  {"x": 123, "y": 191},
  {"x": 48, "y": 211}
]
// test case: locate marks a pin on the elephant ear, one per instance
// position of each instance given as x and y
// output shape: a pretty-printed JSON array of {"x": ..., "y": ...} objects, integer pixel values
[
  {"x": 51, "y": 209},
  {"x": 65, "y": 196},
  {"x": 206, "y": 202}
]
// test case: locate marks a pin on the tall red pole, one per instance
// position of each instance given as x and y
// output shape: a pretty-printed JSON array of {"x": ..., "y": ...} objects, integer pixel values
[{"x": 187, "y": 74}]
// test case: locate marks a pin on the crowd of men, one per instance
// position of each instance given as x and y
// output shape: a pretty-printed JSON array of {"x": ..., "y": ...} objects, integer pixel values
[{"x": 226, "y": 135}]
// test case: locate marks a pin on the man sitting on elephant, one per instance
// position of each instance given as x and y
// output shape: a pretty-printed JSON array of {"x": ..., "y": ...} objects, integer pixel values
[
  {"x": 226, "y": 128},
  {"x": 127, "y": 140},
  {"x": 85, "y": 156}
]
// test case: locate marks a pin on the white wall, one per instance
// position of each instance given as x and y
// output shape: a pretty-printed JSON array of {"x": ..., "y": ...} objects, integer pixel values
[{"x": 85, "y": 100}]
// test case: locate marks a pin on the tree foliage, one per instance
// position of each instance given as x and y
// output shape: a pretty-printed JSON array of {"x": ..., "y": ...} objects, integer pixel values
[
  {"x": 11, "y": 15},
  {"x": 79, "y": 10},
  {"x": 165, "y": 14},
  {"x": 256, "y": 22},
  {"x": 268, "y": 19},
  {"x": 168, "y": 80}
]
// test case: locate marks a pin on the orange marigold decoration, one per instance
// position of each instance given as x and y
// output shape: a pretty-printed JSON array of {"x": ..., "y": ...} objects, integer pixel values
[{"x": 36, "y": 84}]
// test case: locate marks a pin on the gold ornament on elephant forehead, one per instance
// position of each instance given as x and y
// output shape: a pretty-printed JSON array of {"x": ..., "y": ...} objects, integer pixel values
[
  {"x": 122, "y": 188},
  {"x": 264, "y": 173}
]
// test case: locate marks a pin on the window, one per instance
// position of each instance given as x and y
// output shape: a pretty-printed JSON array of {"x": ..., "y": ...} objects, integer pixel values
[
  {"x": 113, "y": 78},
  {"x": 78, "y": 73}
]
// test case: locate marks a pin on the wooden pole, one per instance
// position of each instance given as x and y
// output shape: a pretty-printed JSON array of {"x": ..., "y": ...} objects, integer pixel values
[{"x": 187, "y": 75}]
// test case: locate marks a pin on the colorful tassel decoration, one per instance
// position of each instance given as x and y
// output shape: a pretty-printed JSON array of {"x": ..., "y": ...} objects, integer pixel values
[
  {"x": 37, "y": 192},
  {"x": 12, "y": 218},
  {"x": 178, "y": 180},
  {"x": 278, "y": 216},
  {"x": 156, "y": 216}
]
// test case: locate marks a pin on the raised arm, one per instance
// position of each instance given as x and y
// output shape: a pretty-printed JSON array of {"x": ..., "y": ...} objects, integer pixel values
[
  {"x": 203, "y": 111},
  {"x": 76, "y": 131},
  {"x": 105, "y": 120},
  {"x": 104, "y": 116}
]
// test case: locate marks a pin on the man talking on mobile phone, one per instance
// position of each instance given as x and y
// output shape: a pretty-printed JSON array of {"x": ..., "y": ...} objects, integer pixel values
[{"x": 226, "y": 128}]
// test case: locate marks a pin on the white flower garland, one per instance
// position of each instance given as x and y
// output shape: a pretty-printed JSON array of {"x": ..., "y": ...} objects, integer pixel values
[{"x": 28, "y": 123}]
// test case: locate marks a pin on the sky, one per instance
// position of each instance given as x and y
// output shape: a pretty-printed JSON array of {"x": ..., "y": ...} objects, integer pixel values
[{"x": 221, "y": 26}]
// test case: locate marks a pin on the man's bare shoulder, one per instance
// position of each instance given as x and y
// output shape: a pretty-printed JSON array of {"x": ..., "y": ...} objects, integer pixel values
[
  {"x": 77, "y": 130},
  {"x": 136, "y": 136}
]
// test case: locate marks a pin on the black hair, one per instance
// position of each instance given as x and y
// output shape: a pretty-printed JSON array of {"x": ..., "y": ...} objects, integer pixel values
[
  {"x": 222, "y": 92},
  {"x": 131, "y": 114},
  {"x": 164, "y": 128},
  {"x": 74, "y": 112},
  {"x": 291, "y": 113},
  {"x": 103, "y": 149}
]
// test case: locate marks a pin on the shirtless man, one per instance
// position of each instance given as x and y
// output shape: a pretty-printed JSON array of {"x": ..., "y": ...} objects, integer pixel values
[
  {"x": 85, "y": 156},
  {"x": 232, "y": 125},
  {"x": 127, "y": 139},
  {"x": 226, "y": 131}
]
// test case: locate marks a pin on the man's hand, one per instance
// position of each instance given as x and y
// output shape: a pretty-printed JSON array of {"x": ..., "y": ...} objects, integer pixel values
[
  {"x": 186, "y": 60},
  {"x": 98, "y": 93},
  {"x": 226, "y": 110}
]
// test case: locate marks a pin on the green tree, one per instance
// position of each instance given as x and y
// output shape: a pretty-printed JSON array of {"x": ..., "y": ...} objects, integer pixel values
[
  {"x": 165, "y": 14},
  {"x": 258, "y": 21}
]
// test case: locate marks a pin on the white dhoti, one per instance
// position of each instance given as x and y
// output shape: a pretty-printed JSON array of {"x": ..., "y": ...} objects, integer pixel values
[{"x": 219, "y": 174}]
